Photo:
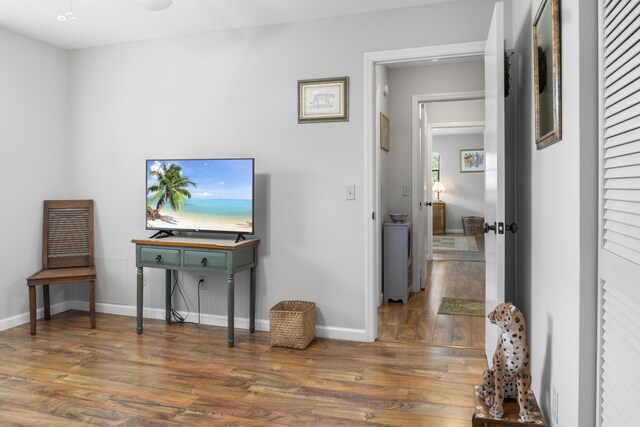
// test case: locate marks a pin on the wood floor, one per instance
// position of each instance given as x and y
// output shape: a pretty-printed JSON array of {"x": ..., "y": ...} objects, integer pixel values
[
  {"x": 450, "y": 274},
  {"x": 70, "y": 375}
]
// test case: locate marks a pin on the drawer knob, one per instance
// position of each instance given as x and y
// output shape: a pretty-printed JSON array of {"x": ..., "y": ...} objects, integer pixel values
[
  {"x": 159, "y": 258},
  {"x": 204, "y": 262}
]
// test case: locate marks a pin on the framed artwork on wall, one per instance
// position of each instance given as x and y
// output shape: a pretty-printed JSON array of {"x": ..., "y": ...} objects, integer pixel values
[
  {"x": 547, "y": 85},
  {"x": 384, "y": 132},
  {"x": 323, "y": 100},
  {"x": 472, "y": 160}
]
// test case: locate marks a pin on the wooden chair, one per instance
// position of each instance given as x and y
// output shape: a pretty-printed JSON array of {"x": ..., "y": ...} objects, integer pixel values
[{"x": 67, "y": 253}]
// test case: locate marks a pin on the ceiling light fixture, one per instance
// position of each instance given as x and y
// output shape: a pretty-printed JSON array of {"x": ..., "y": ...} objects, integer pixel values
[
  {"x": 154, "y": 5},
  {"x": 68, "y": 15}
]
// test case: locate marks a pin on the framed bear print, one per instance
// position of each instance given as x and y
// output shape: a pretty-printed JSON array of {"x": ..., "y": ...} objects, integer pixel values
[{"x": 323, "y": 100}]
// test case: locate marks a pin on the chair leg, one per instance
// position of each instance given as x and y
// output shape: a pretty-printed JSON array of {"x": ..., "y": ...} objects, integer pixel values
[
  {"x": 32, "y": 309},
  {"x": 46, "y": 302},
  {"x": 92, "y": 303}
]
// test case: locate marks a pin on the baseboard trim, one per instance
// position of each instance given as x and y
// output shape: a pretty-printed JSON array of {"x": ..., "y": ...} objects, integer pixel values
[
  {"x": 330, "y": 332},
  {"x": 22, "y": 318}
]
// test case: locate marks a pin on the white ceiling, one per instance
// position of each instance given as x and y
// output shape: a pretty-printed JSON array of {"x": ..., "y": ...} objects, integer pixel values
[{"x": 104, "y": 22}]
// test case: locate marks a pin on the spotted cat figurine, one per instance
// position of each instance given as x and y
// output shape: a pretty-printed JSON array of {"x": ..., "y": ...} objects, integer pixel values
[{"x": 510, "y": 376}]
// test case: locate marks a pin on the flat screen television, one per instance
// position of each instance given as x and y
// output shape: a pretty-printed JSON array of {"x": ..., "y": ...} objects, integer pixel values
[{"x": 213, "y": 195}]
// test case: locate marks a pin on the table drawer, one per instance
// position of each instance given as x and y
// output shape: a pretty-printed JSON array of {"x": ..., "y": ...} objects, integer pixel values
[
  {"x": 168, "y": 257},
  {"x": 205, "y": 260}
]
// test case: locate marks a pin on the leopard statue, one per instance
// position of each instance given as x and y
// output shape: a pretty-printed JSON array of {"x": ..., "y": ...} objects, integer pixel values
[{"x": 510, "y": 376}]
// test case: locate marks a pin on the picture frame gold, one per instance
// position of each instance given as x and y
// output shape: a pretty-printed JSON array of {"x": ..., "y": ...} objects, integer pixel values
[
  {"x": 547, "y": 82},
  {"x": 384, "y": 132},
  {"x": 323, "y": 100}
]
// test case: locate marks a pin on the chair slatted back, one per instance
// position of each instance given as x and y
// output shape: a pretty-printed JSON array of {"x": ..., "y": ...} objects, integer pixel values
[{"x": 67, "y": 234}]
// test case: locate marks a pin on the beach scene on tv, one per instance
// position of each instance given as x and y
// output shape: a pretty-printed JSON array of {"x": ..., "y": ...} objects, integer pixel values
[{"x": 204, "y": 195}]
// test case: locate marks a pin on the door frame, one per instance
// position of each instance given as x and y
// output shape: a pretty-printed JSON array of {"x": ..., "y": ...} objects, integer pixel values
[
  {"x": 418, "y": 172},
  {"x": 372, "y": 231}
]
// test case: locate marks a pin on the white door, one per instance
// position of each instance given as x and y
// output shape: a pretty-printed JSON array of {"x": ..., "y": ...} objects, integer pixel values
[
  {"x": 419, "y": 209},
  {"x": 494, "y": 146},
  {"x": 427, "y": 164},
  {"x": 619, "y": 222}
]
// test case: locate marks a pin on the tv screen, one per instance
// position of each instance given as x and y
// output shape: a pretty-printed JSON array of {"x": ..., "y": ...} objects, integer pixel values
[{"x": 213, "y": 195}]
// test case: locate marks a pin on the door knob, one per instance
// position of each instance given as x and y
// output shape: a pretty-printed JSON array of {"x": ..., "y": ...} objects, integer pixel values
[
  {"x": 486, "y": 227},
  {"x": 429, "y": 204},
  {"x": 513, "y": 227}
]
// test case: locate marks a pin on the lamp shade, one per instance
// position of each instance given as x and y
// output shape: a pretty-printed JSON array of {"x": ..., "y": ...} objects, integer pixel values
[{"x": 437, "y": 186}]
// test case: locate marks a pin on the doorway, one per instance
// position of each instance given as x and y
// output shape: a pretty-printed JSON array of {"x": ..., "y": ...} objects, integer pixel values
[{"x": 447, "y": 309}]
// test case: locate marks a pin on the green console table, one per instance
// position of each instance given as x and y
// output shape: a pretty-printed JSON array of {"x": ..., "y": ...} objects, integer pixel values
[{"x": 203, "y": 256}]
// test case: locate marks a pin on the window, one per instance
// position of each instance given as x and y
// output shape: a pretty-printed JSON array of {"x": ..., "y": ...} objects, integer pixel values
[{"x": 435, "y": 167}]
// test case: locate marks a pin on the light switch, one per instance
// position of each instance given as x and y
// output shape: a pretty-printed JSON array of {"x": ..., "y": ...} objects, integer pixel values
[
  {"x": 350, "y": 193},
  {"x": 405, "y": 190}
]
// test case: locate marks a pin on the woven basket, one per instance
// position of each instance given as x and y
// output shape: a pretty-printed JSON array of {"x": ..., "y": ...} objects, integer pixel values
[
  {"x": 292, "y": 324},
  {"x": 472, "y": 225}
]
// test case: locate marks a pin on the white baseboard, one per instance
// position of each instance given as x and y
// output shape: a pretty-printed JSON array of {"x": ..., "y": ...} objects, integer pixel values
[
  {"x": 22, "y": 318},
  {"x": 331, "y": 332}
]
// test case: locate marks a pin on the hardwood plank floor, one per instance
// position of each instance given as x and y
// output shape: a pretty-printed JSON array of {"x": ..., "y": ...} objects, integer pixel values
[
  {"x": 450, "y": 274},
  {"x": 71, "y": 375}
]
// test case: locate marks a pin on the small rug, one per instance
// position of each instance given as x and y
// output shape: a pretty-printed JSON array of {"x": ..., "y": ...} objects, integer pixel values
[
  {"x": 455, "y": 243},
  {"x": 462, "y": 307}
]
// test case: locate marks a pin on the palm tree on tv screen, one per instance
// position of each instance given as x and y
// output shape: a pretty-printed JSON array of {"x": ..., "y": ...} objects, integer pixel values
[{"x": 171, "y": 188}]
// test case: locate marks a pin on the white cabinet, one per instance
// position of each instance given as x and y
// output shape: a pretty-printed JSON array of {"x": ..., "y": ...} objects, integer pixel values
[{"x": 396, "y": 261}]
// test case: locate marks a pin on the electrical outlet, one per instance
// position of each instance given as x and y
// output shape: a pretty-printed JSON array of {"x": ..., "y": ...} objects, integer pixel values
[
  {"x": 350, "y": 193},
  {"x": 554, "y": 405},
  {"x": 202, "y": 281}
]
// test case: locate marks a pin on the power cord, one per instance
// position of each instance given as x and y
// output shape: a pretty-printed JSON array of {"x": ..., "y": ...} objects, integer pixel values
[{"x": 177, "y": 317}]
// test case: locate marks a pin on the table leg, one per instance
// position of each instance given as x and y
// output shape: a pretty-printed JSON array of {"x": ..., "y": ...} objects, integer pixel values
[
  {"x": 140, "y": 283},
  {"x": 230, "y": 309},
  {"x": 46, "y": 302},
  {"x": 167, "y": 295},
  {"x": 252, "y": 301}
]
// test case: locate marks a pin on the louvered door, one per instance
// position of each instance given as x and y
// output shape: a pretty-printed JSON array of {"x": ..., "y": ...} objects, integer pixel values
[{"x": 619, "y": 256}]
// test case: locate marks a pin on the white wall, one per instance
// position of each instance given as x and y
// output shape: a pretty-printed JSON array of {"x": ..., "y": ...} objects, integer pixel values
[
  {"x": 34, "y": 147},
  {"x": 464, "y": 195},
  {"x": 234, "y": 94},
  {"x": 405, "y": 83},
  {"x": 557, "y": 189},
  {"x": 382, "y": 85}
]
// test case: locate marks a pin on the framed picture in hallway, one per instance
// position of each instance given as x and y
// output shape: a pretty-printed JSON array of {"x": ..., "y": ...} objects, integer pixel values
[
  {"x": 472, "y": 160},
  {"x": 384, "y": 132},
  {"x": 547, "y": 85},
  {"x": 323, "y": 100}
]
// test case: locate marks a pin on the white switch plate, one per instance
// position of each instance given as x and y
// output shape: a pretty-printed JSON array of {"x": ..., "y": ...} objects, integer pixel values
[
  {"x": 350, "y": 193},
  {"x": 405, "y": 190}
]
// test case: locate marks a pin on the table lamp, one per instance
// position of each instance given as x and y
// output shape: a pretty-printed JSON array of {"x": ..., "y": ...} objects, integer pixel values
[{"x": 438, "y": 188}]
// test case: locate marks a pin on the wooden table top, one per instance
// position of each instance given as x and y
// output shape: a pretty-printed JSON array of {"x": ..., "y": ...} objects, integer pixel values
[{"x": 197, "y": 242}]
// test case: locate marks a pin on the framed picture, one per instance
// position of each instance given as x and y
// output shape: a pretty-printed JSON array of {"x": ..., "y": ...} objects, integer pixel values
[
  {"x": 546, "y": 74},
  {"x": 323, "y": 100},
  {"x": 472, "y": 160},
  {"x": 384, "y": 132}
]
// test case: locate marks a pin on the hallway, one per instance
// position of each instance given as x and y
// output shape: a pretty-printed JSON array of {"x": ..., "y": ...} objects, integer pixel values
[{"x": 450, "y": 274}]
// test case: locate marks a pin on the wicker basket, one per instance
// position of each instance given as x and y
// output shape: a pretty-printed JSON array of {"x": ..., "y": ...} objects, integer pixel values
[
  {"x": 292, "y": 324},
  {"x": 472, "y": 225}
]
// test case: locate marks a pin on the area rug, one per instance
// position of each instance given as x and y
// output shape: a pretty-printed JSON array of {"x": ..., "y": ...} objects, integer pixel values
[
  {"x": 455, "y": 243},
  {"x": 462, "y": 307}
]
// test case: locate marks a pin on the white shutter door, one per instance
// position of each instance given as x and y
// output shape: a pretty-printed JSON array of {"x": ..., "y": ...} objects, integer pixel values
[{"x": 619, "y": 256}]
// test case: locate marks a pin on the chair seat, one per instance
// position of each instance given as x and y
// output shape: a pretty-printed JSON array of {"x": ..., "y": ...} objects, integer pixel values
[{"x": 62, "y": 275}]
